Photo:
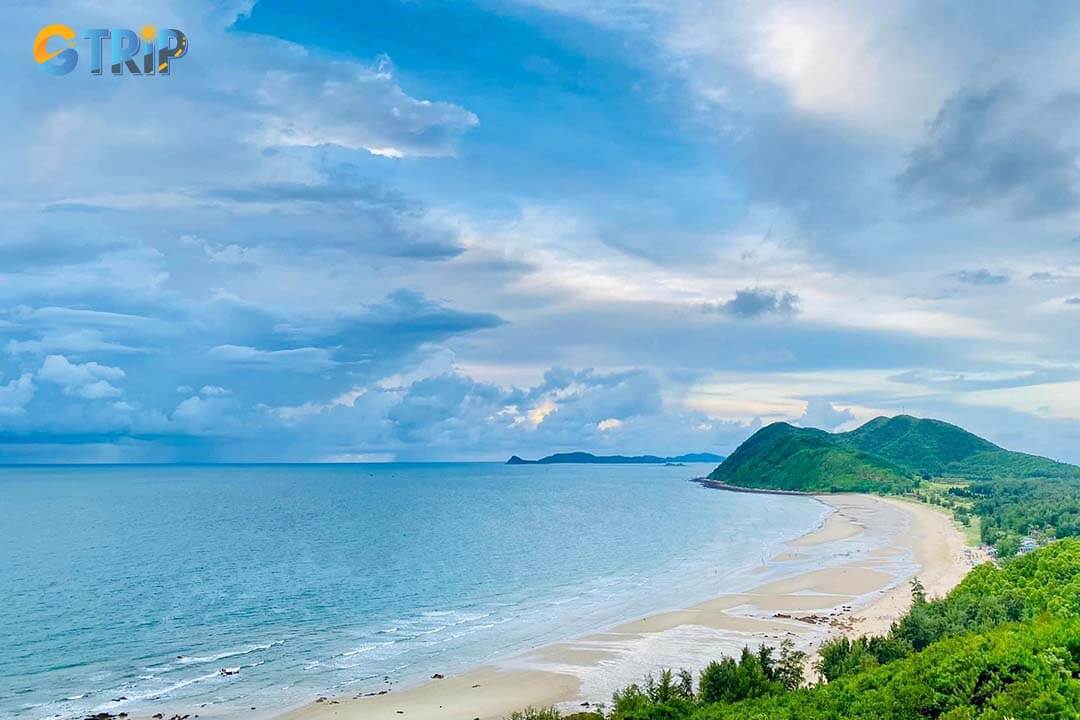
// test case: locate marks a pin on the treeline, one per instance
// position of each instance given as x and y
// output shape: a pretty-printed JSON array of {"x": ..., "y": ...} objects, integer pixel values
[
  {"x": 1010, "y": 509},
  {"x": 1004, "y": 644}
]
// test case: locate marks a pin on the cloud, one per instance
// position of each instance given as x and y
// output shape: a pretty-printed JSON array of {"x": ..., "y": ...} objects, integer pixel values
[
  {"x": 90, "y": 381},
  {"x": 750, "y": 303},
  {"x": 842, "y": 61},
  {"x": 72, "y": 341},
  {"x": 343, "y": 213},
  {"x": 1072, "y": 301},
  {"x": 443, "y": 405},
  {"x": 980, "y": 277},
  {"x": 357, "y": 107},
  {"x": 15, "y": 395},
  {"x": 997, "y": 145},
  {"x": 566, "y": 404},
  {"x": 205, "y": 415},
  {"x": 336, "y": 259},
  {"x": 1043, "y": 276},
  {"x": 324, "y": 195},
  {"x": 407, "y": 312},
  {"x": 820, "y": 413},
  {"x": 304, "y": 359}
]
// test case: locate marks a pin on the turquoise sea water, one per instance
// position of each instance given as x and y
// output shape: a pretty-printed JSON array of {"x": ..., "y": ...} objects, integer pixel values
[{"x": 130, "y": 588}]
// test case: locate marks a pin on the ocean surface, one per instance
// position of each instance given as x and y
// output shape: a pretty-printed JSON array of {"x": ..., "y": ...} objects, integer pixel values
[{"x": 131, "y": 588}]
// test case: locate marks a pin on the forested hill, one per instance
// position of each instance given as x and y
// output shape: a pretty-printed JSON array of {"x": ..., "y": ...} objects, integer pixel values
[{"x": 1013, "y": 494}]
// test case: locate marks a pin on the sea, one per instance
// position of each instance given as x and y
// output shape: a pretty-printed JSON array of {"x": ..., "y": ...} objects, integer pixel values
[{"x": 243, "y": 591}]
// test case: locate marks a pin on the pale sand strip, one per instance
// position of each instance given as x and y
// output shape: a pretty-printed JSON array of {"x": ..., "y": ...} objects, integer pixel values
[
  {"x": 943, "y": 558},
  {"x": 484, "y": 692},
  {"x": 488, "y": 693}
]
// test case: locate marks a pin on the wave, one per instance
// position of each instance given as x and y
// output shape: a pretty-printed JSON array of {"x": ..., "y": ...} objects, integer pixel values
[
  {"x": 200, "y": 659},
  {"x": 363, "y": 649},
  {"x": 134, "y": 694}
]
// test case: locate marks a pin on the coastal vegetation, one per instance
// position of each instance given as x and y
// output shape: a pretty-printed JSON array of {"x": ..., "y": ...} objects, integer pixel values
[
  {"x": 1004, "y": 644},
  {"x": 1003, "y": 496}
]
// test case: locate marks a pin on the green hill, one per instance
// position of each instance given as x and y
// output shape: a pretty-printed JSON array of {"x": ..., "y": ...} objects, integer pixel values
[
  {"x": 1013, "y": 494},
  {"x": 928, "y": 446},
  {"x": 784, "y": 457}
]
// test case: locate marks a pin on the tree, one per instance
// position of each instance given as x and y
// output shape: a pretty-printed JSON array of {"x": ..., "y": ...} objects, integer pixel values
[
  {"x": 717, "y": 682},
  {"x": 918, "y": 591},
  {"x": 843, "y": 656},
  {"x": 788, "y": 670}
]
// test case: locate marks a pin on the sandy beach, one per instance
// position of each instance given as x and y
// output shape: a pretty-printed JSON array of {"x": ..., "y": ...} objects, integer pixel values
[{"x": 851, "y": 575}]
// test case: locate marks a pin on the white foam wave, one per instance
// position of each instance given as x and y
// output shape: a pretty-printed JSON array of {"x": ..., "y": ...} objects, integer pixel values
[
  {"x": 363, "y": 649},
  {"x": 199, "y": 659}
]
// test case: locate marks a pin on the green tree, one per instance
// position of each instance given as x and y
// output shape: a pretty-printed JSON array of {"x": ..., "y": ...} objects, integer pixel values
[{"x": 789, "y": 669}]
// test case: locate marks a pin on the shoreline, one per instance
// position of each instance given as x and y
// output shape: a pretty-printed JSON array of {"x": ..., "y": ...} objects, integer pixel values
[
  {"x": 717, "y": 485},
  {"x": 849, "y": 576}
]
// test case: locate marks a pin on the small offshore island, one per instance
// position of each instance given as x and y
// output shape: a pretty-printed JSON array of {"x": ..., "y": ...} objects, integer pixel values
[
  {"x": 584, "y": 458},
  {"x": 962, "y": 636}
]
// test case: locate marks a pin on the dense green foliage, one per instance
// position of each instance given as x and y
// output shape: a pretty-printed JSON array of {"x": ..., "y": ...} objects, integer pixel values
[
  {"x": 536, "y": 714},
  {"x": 1013, "y": 508},
  {"x": 753, "y": 675},
  {"x": 785, "y": 457},
  {"x": 1021, "y": 672},
  {"x": 1013, "y": 494},
  {"x": 1004, "y": 644},
  {"x": 1046, "y": 582},
  {"x": 921, "y": 446}
]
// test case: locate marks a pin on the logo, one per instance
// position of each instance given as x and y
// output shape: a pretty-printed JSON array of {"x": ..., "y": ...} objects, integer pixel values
[{"x": 147, "y": 52}]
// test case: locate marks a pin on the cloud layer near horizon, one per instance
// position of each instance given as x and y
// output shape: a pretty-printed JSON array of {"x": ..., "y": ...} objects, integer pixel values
[{"x": 632, "y": 227}]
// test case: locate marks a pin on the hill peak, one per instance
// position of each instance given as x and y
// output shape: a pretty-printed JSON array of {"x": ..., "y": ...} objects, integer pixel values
[{"x": 887, "y": 454}]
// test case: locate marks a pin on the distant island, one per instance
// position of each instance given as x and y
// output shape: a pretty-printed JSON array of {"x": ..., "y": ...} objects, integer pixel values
[
  {"x": 1006, "y": 498},
  {"x": 585, "y": 458}
]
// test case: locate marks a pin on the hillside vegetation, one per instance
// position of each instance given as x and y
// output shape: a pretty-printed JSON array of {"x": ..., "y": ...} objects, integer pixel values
[{"x": 1010, "y": 494}]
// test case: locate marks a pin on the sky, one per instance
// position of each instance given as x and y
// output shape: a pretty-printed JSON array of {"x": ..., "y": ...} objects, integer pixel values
[{"x": 452, "y": 230}]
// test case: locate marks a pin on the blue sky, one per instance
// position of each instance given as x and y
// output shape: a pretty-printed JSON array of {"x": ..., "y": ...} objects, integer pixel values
[{"x": 451, "y": 230}]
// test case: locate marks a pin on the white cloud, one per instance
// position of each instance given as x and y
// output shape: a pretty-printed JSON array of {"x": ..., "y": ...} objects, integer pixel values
[
  {"x": 856, "y": 64},
  {"x": 820, "y": 413},
  {"x": 15, "y": 395},
  {"x": 309, "y": 358},
  {"x": 357, "y": 107},
  {"x": 205, "y": 415},
  {"x": 841, "y": 60},
  {"x": 90, "y": 380}
]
